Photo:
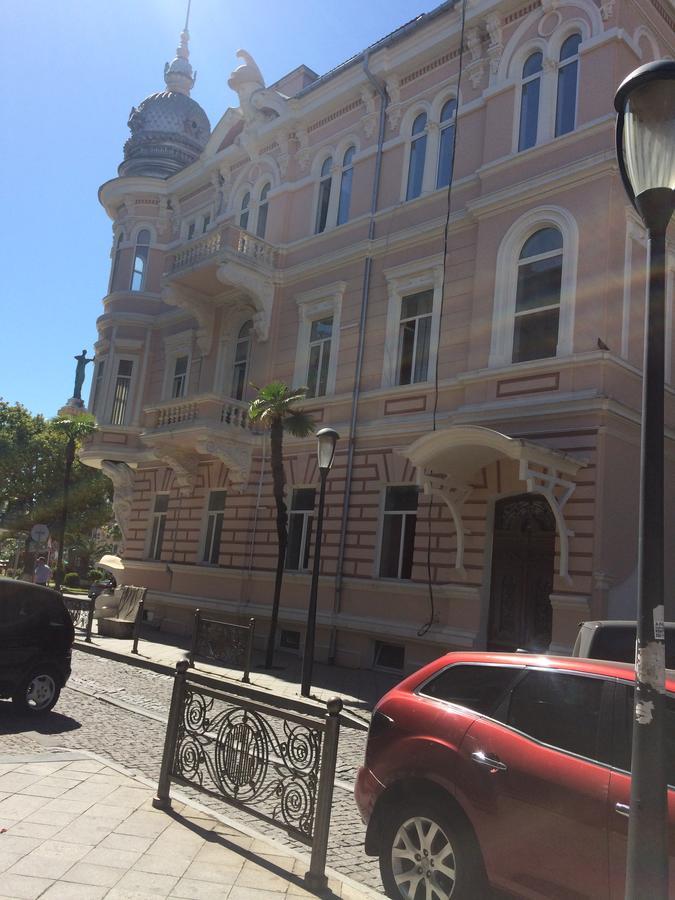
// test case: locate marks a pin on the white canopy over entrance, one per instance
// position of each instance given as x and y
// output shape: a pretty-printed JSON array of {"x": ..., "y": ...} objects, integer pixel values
[{"x": 449, "y": 462}]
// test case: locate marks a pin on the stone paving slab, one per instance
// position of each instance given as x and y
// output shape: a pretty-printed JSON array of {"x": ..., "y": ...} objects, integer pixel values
[{"x": 100, "y": 837}]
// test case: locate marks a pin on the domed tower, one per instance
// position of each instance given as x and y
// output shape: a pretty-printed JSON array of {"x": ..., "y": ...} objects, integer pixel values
[{"x": 169, "y": 130}]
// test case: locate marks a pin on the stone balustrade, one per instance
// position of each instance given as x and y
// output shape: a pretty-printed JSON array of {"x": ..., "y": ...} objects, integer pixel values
[
  {"x": 228, "y": 240},
  {"x": 208, "y": 409}
]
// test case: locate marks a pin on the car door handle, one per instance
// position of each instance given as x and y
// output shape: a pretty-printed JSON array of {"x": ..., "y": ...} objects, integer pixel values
[
  {"x": 623, "y": 809},
  {"x": 493, "y": 763}
]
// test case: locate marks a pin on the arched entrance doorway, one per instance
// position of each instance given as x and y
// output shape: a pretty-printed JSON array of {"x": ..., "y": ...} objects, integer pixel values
[{"x": 523, "y": 551}]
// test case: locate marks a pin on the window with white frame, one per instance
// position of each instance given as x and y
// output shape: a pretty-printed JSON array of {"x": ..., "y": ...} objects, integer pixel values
[
  {"x": 346, "y": 178},
  {"x": 192, "y": 227},
  {"x": 179, "y": 381},
  {"x": 206, "y": 221},
  {"x": 320, "y": 338},
  {"x": 116, "y": 263},
  {"x": 415, "y": 337},
  {"x": 537, "y": 313},
  {"x": 261, "y": 222},
  {"x": 418, "y": 152},
  {"x": 566, "y": 100},
  {"x": 529, "y": 100},
  {"x": 158, "y": 526},
  {"x": 446, "y": 144},
  {"x": 121, "y": 392},
  {"x": 399, "y": 522},
  {"x": 323, "y": 200},
  {"x": 215, "y": 515},
  {"x": 139, "y": 272},
  {"x": 244, "y": 210},
  {"x": 98, "y": 384},
  {"x": 300, "y": 521},
  {"x": 242, "y": 353}
]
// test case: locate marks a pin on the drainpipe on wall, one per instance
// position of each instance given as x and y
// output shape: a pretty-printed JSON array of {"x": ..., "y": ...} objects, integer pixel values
[{"x": 365, "y": 293}]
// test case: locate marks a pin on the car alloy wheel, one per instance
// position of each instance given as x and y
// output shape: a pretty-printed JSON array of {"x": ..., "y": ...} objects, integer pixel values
[
  {"x": 40, "y": 692},
  {"x": 423, "y": 860}
]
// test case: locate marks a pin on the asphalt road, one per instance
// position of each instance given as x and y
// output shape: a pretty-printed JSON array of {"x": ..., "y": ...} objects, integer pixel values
[{"x": 119, "y": 712}]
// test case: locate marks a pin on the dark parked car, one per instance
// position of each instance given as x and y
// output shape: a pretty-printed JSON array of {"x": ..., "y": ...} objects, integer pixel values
[
  {"x": 615, "y": 639},
  {"x": 488, "y": 770},
  {"x": 36, "y": 636},
  {"x": 106, "y": 585}
]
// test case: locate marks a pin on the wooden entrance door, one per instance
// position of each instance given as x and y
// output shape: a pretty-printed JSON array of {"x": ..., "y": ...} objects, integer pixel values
[{"x": 523, "y": 551}]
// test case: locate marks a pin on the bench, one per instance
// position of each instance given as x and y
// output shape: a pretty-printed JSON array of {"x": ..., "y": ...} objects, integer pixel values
[{"x": 129, "y": 614}]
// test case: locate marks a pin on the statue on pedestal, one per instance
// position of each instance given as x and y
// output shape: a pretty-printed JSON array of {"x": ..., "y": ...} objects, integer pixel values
[{"x": 79, "y": 374}]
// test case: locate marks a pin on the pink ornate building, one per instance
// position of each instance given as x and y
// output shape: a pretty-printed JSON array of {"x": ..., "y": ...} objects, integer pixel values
[{"x": 439, "y": 245}]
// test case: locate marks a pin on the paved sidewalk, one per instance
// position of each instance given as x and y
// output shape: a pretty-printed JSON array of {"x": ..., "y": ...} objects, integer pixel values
[
  {"x": 359, "y": 689},
  {"x": 76, "y": 826}
]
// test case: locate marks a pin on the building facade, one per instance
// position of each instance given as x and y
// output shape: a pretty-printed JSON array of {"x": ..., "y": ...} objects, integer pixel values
[{"x": 438, "y": 245}]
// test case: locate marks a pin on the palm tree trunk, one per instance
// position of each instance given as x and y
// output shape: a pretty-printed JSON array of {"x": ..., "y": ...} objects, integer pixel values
[{"x": 278, "y": 482}]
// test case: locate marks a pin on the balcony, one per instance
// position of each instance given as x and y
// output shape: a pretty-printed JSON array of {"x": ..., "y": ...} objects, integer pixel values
[
  {"x": 179, "y": 432},
  {"x": 225, "y": 266}
]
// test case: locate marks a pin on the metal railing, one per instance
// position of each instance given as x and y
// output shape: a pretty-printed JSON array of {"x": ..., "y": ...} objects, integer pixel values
[
  {"x": 81, "y": 611},
  {"x": 276, "y": 762},
  {"x": 224, "y": 642}
]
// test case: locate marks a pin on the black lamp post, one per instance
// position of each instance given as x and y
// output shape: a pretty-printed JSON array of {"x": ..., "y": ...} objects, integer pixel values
[
  {"x": 645, "y": 141},
  {"x": 326, "y": 441}
]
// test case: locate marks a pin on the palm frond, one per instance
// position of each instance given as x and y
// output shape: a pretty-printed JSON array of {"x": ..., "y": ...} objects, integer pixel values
[{"x": 299, "y": 423}]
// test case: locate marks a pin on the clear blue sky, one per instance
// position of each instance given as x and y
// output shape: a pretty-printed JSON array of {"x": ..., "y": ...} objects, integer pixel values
[{"x": 72, "y": 70}]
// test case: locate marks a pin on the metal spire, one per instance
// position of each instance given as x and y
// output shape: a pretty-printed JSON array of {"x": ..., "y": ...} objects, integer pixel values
[{"x": 178, "y": 75}]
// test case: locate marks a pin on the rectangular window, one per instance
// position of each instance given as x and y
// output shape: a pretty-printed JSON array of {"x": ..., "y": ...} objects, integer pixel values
[
  {"x": 414, "y": 337},
  {"x": 98, "y": 383},
  {"x": 529, "y": 114},
  {"x": 121, "y": 395},
  {"x": 158, "y": 526},
  {"x": 179, "y": 377},
  {"x": 319, "y": 356},
  {"x": 191, "y": 230},
  {"x": 418, "y": 151},
  {"x": 300, "y": 521},
  {"x": 214, "y": 527},
  {"x": 322, "y": 205},
  {"x": 388, "y": 656},
  {"x": 398, "y": 531},
  {"x": 206, "y": 221},
  {"x": 289, "y": 640}
]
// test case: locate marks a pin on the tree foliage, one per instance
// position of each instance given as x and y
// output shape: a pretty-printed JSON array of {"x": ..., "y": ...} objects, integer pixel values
[{"x": 33, "y": 455}]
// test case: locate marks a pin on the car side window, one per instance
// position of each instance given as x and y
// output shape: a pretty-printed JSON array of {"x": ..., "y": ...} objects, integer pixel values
[
  {"x": 477, "y": 687},
  {"x": 623, "y": 731},
  {"x": 558, "y": 709}
]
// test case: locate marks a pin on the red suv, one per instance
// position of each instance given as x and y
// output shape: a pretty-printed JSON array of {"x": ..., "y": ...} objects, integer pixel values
[{"x": 508, "y": 771}]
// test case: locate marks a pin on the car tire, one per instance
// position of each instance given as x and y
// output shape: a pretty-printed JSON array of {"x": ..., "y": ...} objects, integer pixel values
[
  {"x": 438, "y": 852},
  {"x": 37, "y": 693}
]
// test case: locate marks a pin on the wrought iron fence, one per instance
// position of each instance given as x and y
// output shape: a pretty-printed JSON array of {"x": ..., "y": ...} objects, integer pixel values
[
  {"x": 223, "y": 642},
  {"x": 81, "y": 610},
  {"x": 276, "y": 762}
]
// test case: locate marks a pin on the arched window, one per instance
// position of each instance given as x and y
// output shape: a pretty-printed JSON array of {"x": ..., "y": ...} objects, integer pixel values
[
  {"x": 138, "y": 275},
  {"x": 242, "y": 352},
  {"x": 418, "y": 152},
  {"x": 261, "y": 224},
  {"x": 529, "y": 101},
  {"x": 566, "y": 103},
  {"x": 537, "y": 313},
  {"x": 324, "y": 195},
  {"x": 116, "y": 262},
  {"x": 243, "y": 215},
  {"x": 346, "y": 185},
  {"x": 446, "y": 145}
]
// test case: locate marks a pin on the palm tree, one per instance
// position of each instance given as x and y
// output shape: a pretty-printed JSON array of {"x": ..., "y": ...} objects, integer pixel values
[
  {"x": 274, "y": 409},
  {"x": 75, "y": 428}
]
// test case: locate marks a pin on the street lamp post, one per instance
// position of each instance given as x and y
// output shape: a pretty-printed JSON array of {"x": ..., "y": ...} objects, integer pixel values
[
  {"x": 326, "y": 441},
  {"x": 645, "y": 139}
]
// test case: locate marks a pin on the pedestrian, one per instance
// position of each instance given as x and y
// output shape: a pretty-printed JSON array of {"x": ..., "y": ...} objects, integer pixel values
[{"x": 42, "y": 572}]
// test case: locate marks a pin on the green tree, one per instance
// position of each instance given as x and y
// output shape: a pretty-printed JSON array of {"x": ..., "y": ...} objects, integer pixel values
[
  {"x": 275, "y": 409},
  {"x": 33, "y": 456}
]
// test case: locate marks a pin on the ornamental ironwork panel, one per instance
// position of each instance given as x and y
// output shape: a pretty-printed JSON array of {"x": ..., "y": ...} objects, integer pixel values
[
  {"x": 223, "y": 642},
  {"x": 251, "y": 757},
  {"x": 81, "y": 611}
]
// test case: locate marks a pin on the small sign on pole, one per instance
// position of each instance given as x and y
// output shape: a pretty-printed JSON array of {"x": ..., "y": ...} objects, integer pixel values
[{"x": 39, "y": 533}]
